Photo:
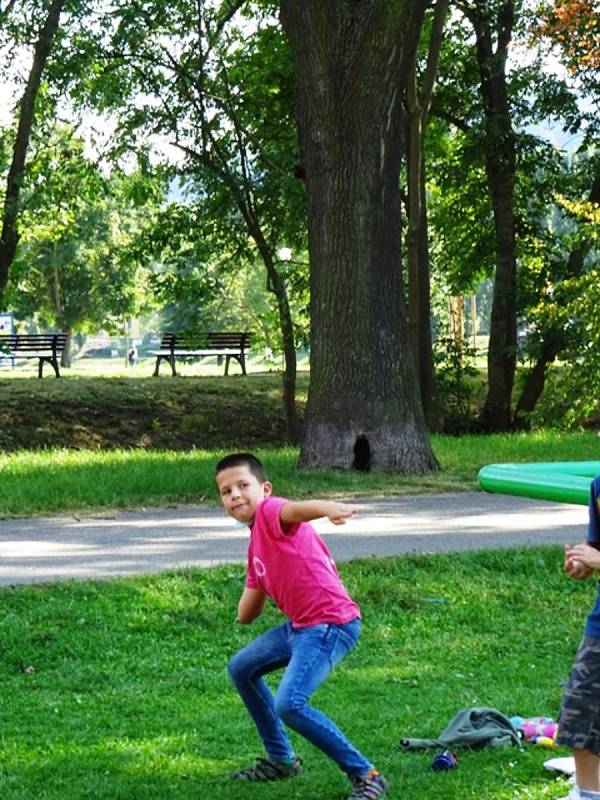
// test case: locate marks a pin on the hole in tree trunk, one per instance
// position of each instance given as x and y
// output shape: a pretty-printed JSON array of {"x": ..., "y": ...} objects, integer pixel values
[{"x": 362, "y": 454}]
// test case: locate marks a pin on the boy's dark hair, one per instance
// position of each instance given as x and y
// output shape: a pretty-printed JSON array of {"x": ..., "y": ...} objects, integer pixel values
[{"x": 243, "y": 460}]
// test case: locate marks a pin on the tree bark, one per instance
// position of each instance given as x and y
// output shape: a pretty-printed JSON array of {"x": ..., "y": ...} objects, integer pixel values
[
  {"x": 419, "y": 293},
  {"x": 419, "y": 303},
  {"x": 352, "y": 61},
  {"x": 500, "y": 171},
  {"x": 10, "y": 234}
]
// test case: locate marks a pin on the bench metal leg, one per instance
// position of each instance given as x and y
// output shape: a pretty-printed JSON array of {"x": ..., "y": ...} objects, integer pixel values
[
  {"x": 241, "y": 361},
  {"x": 53, "y": 363},
  {"x": 170, "y": 359}
]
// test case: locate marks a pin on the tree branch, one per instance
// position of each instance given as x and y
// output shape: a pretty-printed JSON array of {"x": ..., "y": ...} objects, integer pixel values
[
  {"x": 229, "y": 14},
  {"x": 506, "y": 21},
  {"x": 4, "y": 12},
  {"x": 10, "y": 213},
  {"x": 458, "y": 122},
  {"x": 433, "y": 56}
]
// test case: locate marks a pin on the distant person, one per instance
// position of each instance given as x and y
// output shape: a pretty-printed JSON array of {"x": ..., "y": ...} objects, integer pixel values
[
  {"x": 579, "y": 720},
  {"x": 289, "y": 562},
  {"x": 132, "y": 355}
]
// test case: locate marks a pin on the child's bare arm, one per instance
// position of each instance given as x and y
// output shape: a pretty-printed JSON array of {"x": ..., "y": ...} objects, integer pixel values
[
  {"x": 250, "y": 606},
  {"x": 307, "y": 510}
]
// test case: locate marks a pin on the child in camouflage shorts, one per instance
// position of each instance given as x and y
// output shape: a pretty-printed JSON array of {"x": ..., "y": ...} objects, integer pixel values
[{"x": 579, "y": 720}]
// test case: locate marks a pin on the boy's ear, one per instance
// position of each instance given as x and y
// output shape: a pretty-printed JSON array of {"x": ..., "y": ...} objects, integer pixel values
[{"x": 268, "y": 488}]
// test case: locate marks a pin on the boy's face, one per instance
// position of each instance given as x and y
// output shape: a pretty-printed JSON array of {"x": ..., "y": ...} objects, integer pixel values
[{"x": 241, "y": 492}]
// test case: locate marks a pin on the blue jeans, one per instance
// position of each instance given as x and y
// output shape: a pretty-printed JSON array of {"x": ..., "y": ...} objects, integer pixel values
[{"x": 309, "y": 655}]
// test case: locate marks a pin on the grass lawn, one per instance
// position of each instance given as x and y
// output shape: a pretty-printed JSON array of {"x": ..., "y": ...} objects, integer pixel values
[
  {"x": 52, "y": 481},
  {"x": 118, "y": 690},
  {"x": 123, "y": 441}
]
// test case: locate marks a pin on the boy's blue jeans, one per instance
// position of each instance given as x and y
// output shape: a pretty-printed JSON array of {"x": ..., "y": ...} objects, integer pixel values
[{"x": 309, "y": 655}]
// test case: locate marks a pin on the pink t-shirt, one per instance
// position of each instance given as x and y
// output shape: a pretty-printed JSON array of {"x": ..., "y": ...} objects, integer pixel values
[{"x": 296, "y": 569}]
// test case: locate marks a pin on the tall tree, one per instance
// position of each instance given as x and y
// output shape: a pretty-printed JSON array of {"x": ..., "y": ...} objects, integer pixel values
[
  {"x": 221, "y": 92},
  {"x": 419, "y": 98},
  {"x": 10, "y": 212},
  {"x": 571, "y": 28},
  {"x": 552, "y": 336},
  {"x": 352, "y": 63},
  {"x": 493, "y": 24},
  {"x": 73, "y": 268}
]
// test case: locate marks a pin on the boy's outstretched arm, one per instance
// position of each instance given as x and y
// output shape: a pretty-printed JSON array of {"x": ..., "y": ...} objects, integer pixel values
[
  {"x": 250, "y": 606},
  {"x": 306, "y": 510}
]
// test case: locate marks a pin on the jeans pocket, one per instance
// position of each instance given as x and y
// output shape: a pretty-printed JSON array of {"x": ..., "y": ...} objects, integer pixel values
[{"x": 345, "y": 640}]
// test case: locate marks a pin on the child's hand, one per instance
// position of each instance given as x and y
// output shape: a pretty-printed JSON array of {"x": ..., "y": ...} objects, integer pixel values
[
  {"x": 338, "y": 513},
  {"x": 581, "y": 560}
]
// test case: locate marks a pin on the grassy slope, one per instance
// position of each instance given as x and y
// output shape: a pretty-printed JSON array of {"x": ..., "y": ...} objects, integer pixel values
[
  {"x": 89, "y": 442},
  {"x": 152, "y": 413}
]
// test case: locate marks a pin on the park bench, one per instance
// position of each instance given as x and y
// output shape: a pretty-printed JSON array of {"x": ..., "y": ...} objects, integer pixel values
[
  {"x": 225, "y": 345},
  {"x": 46, "y": 347}
]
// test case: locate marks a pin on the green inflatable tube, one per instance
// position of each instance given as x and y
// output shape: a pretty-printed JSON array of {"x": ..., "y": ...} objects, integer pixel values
[{"x": 561, "y": 481}]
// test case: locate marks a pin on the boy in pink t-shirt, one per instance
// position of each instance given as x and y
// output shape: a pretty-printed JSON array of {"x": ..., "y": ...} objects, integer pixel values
[{"x": 289, "y": 562}]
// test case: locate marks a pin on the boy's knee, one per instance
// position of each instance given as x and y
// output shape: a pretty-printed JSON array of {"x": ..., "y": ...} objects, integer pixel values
[
  {"x": 287, "y": 708},
  {"x": 235, "y": 667}
]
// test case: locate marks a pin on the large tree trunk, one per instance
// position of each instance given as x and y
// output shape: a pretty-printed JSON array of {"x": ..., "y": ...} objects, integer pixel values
[
  {"x": 10, "y": 235},
  {"x": 419, "y": 296},
  {"x": 554, "y": 340},
  {"x": 352, "y": 61},
  {"x": 419, "y": 290},
  {"x": 500, "y": 170}
]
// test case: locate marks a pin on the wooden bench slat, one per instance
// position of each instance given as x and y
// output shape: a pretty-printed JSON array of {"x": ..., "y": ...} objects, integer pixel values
[{"x": 223, "y": 344}]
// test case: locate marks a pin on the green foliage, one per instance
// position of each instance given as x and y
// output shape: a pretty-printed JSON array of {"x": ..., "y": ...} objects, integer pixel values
[
  {"x": 214, "y": 83},
  {"x": 74, "y": 267},
  {"x": 571, "y": 400},
  {"x": 460, "y": 213},
  {"x": 462, "y": 233},
  {"x": 220, "y": 87},
  {"x": 454, "y": 374},
  {"x": 177, "y": 244}
]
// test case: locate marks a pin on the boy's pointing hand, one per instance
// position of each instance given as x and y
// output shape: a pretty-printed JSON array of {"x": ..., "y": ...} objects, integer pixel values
[{"x": 338, "y": 513}]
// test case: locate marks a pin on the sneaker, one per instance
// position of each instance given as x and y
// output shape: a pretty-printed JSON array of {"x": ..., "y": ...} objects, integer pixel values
[
  {"x": 369, "y": 786},
  {"x": 266, "y": 770}
]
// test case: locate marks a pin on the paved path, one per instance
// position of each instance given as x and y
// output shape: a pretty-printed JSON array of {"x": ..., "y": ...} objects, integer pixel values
[{"x": 122, "y": 543}]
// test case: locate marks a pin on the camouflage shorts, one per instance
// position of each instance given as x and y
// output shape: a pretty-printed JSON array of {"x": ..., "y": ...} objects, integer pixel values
[{"x": 579, "y": 720}]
